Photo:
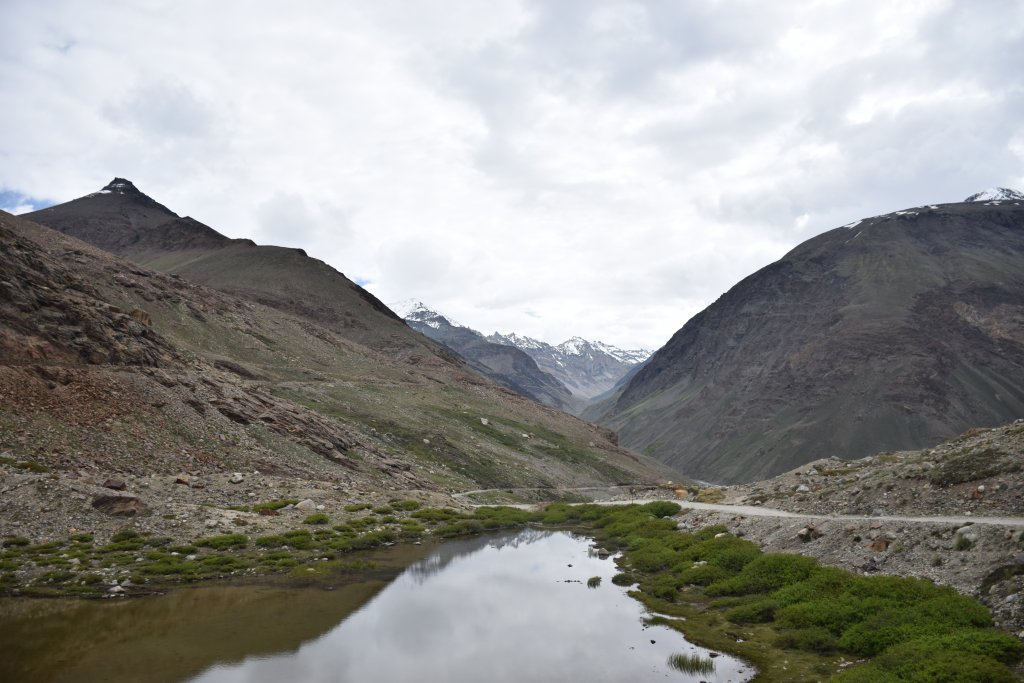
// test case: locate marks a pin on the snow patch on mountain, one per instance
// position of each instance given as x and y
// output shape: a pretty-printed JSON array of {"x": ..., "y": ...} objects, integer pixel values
[
  {"x": 997, "y": 194},
  {"x": 414, "y": 309}
]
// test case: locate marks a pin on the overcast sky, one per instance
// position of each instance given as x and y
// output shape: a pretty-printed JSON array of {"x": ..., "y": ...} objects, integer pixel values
[{"x": 550, "y": 167}]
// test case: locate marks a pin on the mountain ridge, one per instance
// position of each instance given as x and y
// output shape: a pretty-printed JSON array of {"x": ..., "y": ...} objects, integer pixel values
[{"x": 892, "y": 332}]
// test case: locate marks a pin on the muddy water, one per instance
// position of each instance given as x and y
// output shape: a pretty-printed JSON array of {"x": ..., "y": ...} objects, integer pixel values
[{"x": 506, "y": 608}]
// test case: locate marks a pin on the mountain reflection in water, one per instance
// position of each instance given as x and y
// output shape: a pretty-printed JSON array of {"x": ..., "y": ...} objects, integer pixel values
[{"x": 501, "y": 609}]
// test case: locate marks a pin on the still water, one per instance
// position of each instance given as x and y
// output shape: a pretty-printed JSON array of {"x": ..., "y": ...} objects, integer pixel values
[{"x": 499, "y": 609}]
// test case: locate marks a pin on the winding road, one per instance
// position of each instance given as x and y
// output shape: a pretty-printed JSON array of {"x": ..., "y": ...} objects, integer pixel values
[{"x": 759, "y": 511}]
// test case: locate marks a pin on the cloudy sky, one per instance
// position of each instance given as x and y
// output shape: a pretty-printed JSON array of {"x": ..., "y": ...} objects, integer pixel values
[{"x": 550, "y": 167}]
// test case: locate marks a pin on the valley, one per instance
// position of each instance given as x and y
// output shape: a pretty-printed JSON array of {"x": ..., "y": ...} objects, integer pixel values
[{"x": 175, "y": 410}]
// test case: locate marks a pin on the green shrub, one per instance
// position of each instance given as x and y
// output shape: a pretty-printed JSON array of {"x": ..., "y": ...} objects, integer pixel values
[
  {"x": 623, "y": 579},
  {"x": 356, "y": 507},
  {"x": 125, "y": 535},
  {"x": 318, "y": 518},
  {"x": 757, "y": 612},
  {"x": 223, "y": 542},
  {"x": 436, "y": 514},
  {"x": 462, "y": 527},
  {"x": 767, "y": 573},
  {"x": 662, "y": 508},
  {"x": 963, "y": 543},
  {"x": 405, "y": 505},
  {"x": 703, "y": 575},
  {"x": 15, "y": 541},
  {"x": 663, "y": 586},
  {"x": 810, "y": 639}
]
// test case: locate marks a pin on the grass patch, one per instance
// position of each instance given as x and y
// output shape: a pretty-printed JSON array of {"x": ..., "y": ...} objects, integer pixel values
[
  {"x": 223, "y": 542},
  {"x": 318, "y": 518},
  {"x": 274, "y": 504}
]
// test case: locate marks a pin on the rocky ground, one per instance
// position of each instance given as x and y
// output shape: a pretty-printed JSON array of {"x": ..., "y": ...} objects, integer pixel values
[
  {"x": 979, "y": 474},
  {"x": 48, "y": 506}
]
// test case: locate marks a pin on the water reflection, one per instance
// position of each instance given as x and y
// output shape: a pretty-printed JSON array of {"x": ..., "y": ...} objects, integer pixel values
[
  {"x": 515, "y": 608},
  {"x": 501, "y": 609}
]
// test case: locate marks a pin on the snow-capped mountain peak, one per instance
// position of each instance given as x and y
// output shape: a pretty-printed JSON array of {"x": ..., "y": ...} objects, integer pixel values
[
  {"x": 517, "y": 340},
  {"x": 414, "y": 309},
  {"x": 996, "y": 194}
]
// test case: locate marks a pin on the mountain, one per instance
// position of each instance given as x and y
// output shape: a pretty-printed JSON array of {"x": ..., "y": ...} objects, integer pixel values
[
  {"x": 274, "y": 362},
  {"x": 587, "y": 368},
  {"x": 996, "y": 194},
  {"x": 124, "y": 221},
  {"x": 506, "y": 365},
  {"x": 890, "y": 333}
]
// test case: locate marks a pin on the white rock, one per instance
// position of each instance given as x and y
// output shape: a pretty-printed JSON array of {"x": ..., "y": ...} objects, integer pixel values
[
  {"x": 306, "y": 506},
  {"x": 236, "y": 478}
]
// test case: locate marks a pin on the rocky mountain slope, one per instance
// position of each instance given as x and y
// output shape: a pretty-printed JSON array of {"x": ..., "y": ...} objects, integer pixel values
[
  {"x": 109, "y": 369},
  {"x": 506, "y": 365},
  {"x": 890, "y": 333},
  {"x": 587, "y": 368},
  {"x": 122, "y": 220}
]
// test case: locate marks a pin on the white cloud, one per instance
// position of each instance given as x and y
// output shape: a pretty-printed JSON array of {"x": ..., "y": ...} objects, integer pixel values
[{"x": 596, "y": 167}]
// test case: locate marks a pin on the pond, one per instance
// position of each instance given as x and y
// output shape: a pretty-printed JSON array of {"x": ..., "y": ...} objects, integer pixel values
[{"x": 515, "y": 607}]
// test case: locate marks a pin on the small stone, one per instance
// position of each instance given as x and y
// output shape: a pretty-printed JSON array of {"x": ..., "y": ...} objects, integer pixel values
[
  {"x": 802, "y": 488},
  {"x": 236, "y": 478},
  {"x": 484, "y": 421},
  {"x": 211, "y": 523},
  {"x": 115, "y": 484},
  {"x": 182, "y": 479},
  {"x": 190, "y": 557},
  {"x": 306, "y": 505},
  {"x": 115, "y": 590}
]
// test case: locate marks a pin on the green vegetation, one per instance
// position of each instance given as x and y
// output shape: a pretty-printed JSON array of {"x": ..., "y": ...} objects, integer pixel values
[
  {"x": 963, "y": 543},
  {"x": 971, "y": 465},
  {"x": 318, "y": 518},
  {"x": 223, "y": 542},
  {"x": 593, "y": 582}
]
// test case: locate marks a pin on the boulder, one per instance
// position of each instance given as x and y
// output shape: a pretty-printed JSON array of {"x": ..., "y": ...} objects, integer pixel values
[
  {"x": 115, "y": 484},
  {"x": 119, "y": 506},
  {"x": 306, "y": 506}
]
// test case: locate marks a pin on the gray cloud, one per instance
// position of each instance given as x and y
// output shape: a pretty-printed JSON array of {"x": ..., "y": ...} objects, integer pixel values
[{"x": 595, "y": 167}]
